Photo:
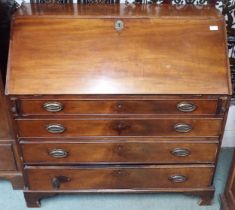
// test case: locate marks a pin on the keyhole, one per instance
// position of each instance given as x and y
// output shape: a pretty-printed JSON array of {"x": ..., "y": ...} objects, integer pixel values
[{"x": 119, "y": 25}]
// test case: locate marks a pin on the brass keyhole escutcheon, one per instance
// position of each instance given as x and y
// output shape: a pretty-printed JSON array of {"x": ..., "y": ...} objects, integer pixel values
[{"x": 119, "y": 25}]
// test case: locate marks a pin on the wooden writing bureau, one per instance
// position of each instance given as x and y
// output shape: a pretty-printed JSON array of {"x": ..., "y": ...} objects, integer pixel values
[{"x": 116, "y": 98}]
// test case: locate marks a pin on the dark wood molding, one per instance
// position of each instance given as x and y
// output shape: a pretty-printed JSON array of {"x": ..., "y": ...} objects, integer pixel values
[{"x": 205, "y": 195}]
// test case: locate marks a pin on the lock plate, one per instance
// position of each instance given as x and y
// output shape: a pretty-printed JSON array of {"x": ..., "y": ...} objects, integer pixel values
[{"x": 119, "y": 25}]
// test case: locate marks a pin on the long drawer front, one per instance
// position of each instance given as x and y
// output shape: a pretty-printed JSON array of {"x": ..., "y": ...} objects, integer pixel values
[
  {"x": 76, "y": 107},
  {"x": 141, "y": 177},
  {"x": 118, "y": 152},
  {"x": 178, "y": 127}
]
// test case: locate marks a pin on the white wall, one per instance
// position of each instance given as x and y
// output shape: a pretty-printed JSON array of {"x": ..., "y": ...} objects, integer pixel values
[{"x": 229, "y": 134}]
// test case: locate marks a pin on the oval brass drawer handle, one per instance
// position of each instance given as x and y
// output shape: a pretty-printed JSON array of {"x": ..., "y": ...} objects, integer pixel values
[
  {"x": 178, "y": 178},
  {"x": 182, "y": 128},
  {"x": 186, "y": 107},
  {"x": 58, "y": 153},
  {"x": 58, "y": 180},
  {"x": 53, "y": 106},
  {"x": 55, "y": 128},
  {"x": 180, "y": 152}
]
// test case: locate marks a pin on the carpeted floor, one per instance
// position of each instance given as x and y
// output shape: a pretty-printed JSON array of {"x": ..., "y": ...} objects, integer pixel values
[{"x": 13, "y": 200}]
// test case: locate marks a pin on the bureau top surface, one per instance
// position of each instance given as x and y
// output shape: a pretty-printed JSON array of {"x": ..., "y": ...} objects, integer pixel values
[{"x": 76, "y": 49}]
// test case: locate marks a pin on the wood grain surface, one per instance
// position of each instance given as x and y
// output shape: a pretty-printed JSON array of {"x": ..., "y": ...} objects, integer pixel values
[
  {"x": 97, "y": 152},
  {"x": 7, "y": 160},
  {"x": 103, "y": 106},
  {"x": 118, "y": 127},
  {"x": 132, "y": 177},
  {"x": 151, "y": 55}
]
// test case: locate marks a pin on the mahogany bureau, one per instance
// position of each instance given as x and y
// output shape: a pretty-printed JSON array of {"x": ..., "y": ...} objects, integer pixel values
[{"x": 118, "y": 98}]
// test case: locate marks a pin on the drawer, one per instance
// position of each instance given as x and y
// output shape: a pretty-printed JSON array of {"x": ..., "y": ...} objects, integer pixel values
[
  {"x": 76, "y": 107},
  {"x": 131, "y": 177},
  {"x": 7, "y": 161},
  {"x": 119, "y": 152},
  {"x": 119, "y": 127}
]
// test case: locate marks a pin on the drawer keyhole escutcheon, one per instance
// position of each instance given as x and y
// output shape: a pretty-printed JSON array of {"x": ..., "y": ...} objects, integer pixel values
[
  {"x": 58, "y": 180},
  {"x": 121, "y": 126},
  {"x": 120, "y": 105},
  {"x": 180, "y": 152},
  {"x": 55, "y": 128},
  {"x": 53, "y": 106},
  {"x": 119, "y": 25},
  {"x": 186, "y": 107},
  {"x": 119, "y": 149},
  {"x": 178, "y": 178},
  {"x": 120, "y": 173},
  {"x": 182, "y": 128},
  {"x": 58, "y": 153}
]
